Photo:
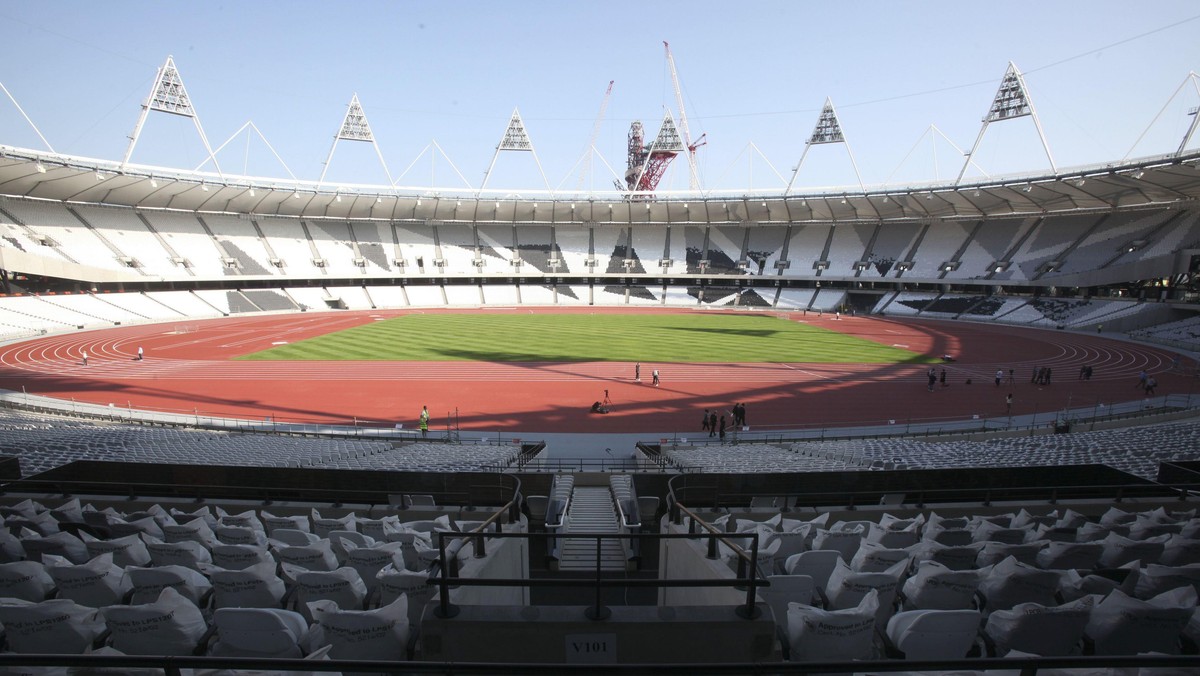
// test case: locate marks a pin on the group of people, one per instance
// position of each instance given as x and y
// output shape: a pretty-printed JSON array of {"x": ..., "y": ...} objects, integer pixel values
[
  {"x": 1041, "y": 375},
  {"x": 1147, "y": 383},
  {"x": 637, "y": 374},
  {"x": 1085, "y": 372},
  {"x": 715, "y": 426},
  {"x": 934, "y": 377}
]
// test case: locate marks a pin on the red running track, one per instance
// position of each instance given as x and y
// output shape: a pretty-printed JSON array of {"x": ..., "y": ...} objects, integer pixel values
[{"x": 188, "y": 368}]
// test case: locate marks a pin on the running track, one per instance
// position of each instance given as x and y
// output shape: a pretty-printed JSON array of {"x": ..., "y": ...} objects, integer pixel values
[{"x": 189, "y": 369}]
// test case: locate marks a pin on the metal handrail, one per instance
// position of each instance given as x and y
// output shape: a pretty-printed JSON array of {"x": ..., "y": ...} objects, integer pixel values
[
  {"x": 1117, "y": 493},
  {"x": 746, "y": 575}
]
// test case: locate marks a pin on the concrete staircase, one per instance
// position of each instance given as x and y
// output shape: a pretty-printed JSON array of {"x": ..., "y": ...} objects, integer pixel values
[{"x": 592, "y": 511}]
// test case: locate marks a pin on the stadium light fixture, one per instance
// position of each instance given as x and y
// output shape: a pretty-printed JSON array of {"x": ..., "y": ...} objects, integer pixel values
[
  {"x": 41, "y": 168},
  {"x": 1137, "y": 174},
  {"x": 252, "y": 193},
  {"x": 153, "y": 183},
  {"x": 1027, "y": 188},
  {"x": 99, "y": 176},
  {"x": 886, "y": 199},
  {"x": 379, "y": 200},
  {"x": 204, "y": 187},
  {"x": 295, "y": 195}
]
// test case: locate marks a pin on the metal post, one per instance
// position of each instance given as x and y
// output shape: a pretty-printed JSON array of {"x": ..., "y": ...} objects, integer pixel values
[
  {"x": 598, "y": 612},
  {"x": 445, "y": 609},
  {"x": 749, "y": 611}
]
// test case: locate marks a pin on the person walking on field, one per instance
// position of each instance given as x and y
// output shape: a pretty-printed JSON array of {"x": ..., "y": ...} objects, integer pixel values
[
  {"x": 704, "y": 421},
  {"x": 999, "y": 377},
  {"x": 712, "y": 424},
  {"x": 424, "y": 421},
  {"x": 637, "y": 371},
  {"x": 722, "y": 432},
  {"x": 141, "y": 354},
  {"x": 85, "y": 357},
  {"x": 656, "y": 377},
  {"x": 1008, "y": 403}
]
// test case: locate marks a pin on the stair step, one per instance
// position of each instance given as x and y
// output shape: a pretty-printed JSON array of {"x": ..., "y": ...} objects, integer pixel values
[{"x": 592, "y": 511}]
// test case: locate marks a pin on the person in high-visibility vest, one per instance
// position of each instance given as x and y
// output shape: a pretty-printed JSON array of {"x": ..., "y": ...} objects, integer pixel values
[{"x": 424, "y": 421}]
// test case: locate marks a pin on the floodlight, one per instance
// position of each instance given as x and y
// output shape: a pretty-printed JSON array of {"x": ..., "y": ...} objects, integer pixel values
[
  {"x": 41, "y": 169},
  {"x": 204, "y": 187},
  {"x": 1138, "y": 173},
  {"x": 153, "y": 183},
  {"x": 99, "y": 176},
  {"x": 252, "y": 193}
]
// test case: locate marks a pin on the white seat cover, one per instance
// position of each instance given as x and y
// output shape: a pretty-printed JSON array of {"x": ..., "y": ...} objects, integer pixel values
[
  {"x": 936, "y": 587},
  {"x": 817, "y": 564},
  {"x": 394, "y": 583},
  {"x": 57, "y": 626},
  {"x": 256, "y": 586},
  {"x": 380, "y": 634},
  {"x": 934, "y": 634},
  {"x": 187, "y": 553},
  {"x": 1050, "y": 631},
  {"x": 25, "y": 580},
  {"x": 1123, "y": 625},
  {"x": 342, "y": 586},
  {"x": 127, "y": 551},
  {"x": 816, "y": 634},
  {"x": 258, "y": 632},
  {"x": 170, "y": 625},
  {"x": 315, "y": 556},
  {"x": 93, "y": 584},
  {"x": 846, "y": 588},
  {"x": 148, "y": 583},
  {"x": 786, "y": 589},
  {"x": 237, "y": 557},
  {"x": 876, "y": 558},
  {"x": 1011, "y": 582}
]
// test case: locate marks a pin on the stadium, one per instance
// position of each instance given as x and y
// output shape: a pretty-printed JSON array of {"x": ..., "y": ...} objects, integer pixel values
[{"x": 306, "y": 426}]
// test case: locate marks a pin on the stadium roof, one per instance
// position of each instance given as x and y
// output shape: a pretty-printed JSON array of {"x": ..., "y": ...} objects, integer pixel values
[{"x": 1150, "y": 181}]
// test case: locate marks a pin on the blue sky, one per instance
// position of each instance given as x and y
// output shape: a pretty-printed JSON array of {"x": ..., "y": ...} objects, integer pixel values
[{"x": 754, "y": 76}]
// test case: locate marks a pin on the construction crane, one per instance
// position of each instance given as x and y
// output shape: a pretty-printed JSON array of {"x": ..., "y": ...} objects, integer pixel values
[
  {"x": 591, "y": 149},
  {"x": 646, "y": 165},
  {"x": 693, "y": 175}
]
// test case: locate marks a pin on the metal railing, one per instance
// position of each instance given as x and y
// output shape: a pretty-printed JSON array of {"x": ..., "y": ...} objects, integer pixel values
[
  {"x": 448, "y": 578},
  {"x": 1039, "y": 421}
]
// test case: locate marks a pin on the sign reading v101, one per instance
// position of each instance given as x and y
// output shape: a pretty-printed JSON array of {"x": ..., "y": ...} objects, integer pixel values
[{"x": 591, "y": 649}]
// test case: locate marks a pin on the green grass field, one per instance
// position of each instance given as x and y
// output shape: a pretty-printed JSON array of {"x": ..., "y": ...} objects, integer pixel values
[{"x": 711, "y": 338}]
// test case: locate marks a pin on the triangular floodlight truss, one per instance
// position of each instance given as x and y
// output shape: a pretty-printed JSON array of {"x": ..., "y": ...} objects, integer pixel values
[
  {"x": 515, "y": 139},
  {"x": 667, "y": 144},
  {"x": 515, "y": 136},
  {"x": 168, "y": 95},
  {"x": 1012, "y": 101},
  {"x": 1194, "y": 112},
  {"x": 668, "y": 139},
  {"x": 827, "y": 130},
  {"x": 22, "y": 112},
  {"x": 355, "y": 128}
]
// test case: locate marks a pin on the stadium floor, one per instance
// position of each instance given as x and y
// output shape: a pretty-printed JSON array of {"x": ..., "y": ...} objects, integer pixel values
[{"x": 189, "y": 369}]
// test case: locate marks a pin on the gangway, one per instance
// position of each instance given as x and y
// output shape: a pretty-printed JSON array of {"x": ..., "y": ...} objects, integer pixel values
[{"x": 592, "y": 511}]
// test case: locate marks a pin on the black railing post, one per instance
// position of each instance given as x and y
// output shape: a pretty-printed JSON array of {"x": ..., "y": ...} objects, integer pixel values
[
  {"x": 598, "y": 611},
  {"x": 445, "y": 609},
  {"x": 749, "y": 611}
]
